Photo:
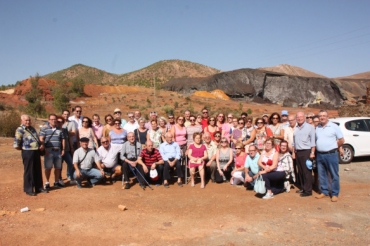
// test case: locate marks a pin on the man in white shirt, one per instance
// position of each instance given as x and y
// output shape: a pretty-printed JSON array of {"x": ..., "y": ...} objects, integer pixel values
[
  {"x": 109, "y": 159},
  {"x": 132, "y": 124},
  {"x": 77, "y": 119}
]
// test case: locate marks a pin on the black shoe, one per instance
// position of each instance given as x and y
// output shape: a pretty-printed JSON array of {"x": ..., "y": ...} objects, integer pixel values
[
  {"x": 166, "y": 186},
  {"x": 213, "y": 181},
  {"x": 179, "y": 184},
  {"x": 304, "y": 194},
  {"x": 47, "y": 186},
  {"x": 41, "y": 190},
  {"x": 127, "y": 186},
  {"x": 112, "y": 180},
  {"x": 58, "y": 185},
  {"x": 143, "y": 186},
  {"x": 299, "y": 191},
  {"x": 31, "y": 193}
]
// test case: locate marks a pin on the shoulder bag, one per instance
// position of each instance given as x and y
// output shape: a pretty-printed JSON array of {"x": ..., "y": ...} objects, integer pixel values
[{"x": 259, "y": 185}]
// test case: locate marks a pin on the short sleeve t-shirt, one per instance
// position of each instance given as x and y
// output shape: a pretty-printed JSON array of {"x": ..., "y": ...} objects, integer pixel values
[{"x": 197, "y": 152}]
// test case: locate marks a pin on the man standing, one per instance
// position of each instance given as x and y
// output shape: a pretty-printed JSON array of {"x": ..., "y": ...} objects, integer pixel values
[
  {"x": 304, "y": 149},
  {"x": 97, "y": 128},
  {"x": 289, "y": 132},
  {"x": 109, "y": 159},
  {"x": 170, "y": 152},
  {"x": 284, "y": 118},
  {"x": 52, "y": 139},
  {"x": 26, "y": 140},
  {"x": 117, "y": 114},
  {"x": 187, "y": 118},
  {"x": 83, "y": 161},
  {"x": 77, "y": 119},
  {"x": 131, "y": 125},
  {"x": 328, "y": 139},
  {"x": 69, "y": 133},
  {"x": 129, "y": 155},
  {"x": 137, "y": 115},
  {"x": 204, "y": 118},
  {"x": 171, "y": 122},
  {"x": 251, "y": 167},
  {"x": 150, "y": 158}
]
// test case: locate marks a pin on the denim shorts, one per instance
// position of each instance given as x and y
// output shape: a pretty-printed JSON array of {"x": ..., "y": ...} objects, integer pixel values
[{"x": 53, "y": 158}]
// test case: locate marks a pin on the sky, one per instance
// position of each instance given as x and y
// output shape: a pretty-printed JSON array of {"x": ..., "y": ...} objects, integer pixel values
[{"x": 331, "y": 38}]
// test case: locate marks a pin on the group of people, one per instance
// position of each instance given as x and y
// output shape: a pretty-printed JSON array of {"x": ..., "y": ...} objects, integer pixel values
[{"x": 278, "y": 147}]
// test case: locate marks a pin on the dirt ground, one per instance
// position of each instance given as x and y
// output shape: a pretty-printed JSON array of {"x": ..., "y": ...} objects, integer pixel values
[{"x": 220, "y": 214}]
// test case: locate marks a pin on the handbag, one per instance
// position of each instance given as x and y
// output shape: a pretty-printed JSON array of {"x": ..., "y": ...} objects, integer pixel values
[{"x": 259, "y": 185}]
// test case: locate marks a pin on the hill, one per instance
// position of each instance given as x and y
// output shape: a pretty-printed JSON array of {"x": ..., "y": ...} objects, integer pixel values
[
  {"x": 292, "y": 70},
  {"x": 162, "y": 71},
  {"x": 365, "y": 75}
]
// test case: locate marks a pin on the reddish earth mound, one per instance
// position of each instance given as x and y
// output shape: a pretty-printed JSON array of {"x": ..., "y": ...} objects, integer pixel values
[{"x": 44, "y": 84}]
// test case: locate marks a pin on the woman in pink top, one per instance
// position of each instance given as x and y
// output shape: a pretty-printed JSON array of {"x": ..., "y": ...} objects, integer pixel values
[
  {"x": 179, "y": 134},
  {"x": 225, "y": 127},
  {"x": 240, "y": 157},
  {"x": 197, "y": 153},
  {"x": 211, "y": 128}
]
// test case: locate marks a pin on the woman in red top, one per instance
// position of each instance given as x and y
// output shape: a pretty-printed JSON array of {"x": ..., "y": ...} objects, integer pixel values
[
  {"x": 236, "y": 174},
  {"x": 211, "y": 128},
  {"x": 197, "y": 153}
]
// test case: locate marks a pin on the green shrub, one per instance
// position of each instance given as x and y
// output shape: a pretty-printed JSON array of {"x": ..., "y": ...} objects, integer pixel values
[
  {"x": 168, "y": 109},
  {"x": 9, "y": 122}
]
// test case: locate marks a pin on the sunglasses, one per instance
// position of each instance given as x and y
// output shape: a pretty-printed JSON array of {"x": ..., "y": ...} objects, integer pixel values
[
  {"x": 259, "y": 122},
  {"x": 117, "y": 123},
  {"x": 205, "y": 112},
  {"x": 78, "y": 111},
  {"x": 118, "y": 112},
  {"x": 275, "y": 118},
  {"x": 192, "y": 120},
  {"x": 241, "y": 123},
  {"x": 217, "y": 136},
  {"x": 309, "y": 117},
  {"x": 109, "y": 119},
  {"x": 105, "y": 142}
]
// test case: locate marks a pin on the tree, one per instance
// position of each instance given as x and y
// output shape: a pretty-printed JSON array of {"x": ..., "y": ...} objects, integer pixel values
[
  {"x": 77, "y": 87},
  {"x": 61, "y": 100},
  {"x": 33, "y": 97}
]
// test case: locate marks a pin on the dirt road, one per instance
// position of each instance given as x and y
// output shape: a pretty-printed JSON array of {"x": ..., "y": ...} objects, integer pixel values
[{"x": 220, "y": 214}]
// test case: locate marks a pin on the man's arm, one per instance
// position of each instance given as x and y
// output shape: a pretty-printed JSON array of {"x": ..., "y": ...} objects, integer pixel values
[{"x": 340, "y": 142}]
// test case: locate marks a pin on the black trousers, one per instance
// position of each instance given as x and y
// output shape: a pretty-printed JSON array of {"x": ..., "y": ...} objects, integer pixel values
[
  {"x": 304, "y": 174},
  {"x": 159, "y": 169},
  {"x": 32, "y": 176},
  {"x": 126, "y": 170},
  {"x": 227, "y": 173},
  {"x": 166, "y": 170}
]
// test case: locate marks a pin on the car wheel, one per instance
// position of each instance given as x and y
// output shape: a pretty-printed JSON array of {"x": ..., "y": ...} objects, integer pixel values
[{"x": 347, "y": 156}]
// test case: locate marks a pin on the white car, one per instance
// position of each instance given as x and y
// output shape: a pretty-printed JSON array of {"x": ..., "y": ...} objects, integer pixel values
[{"x": 356, "y": 133}]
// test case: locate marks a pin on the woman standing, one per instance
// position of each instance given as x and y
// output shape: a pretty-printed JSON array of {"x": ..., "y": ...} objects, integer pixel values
[
  {"x": 199, "y": 120},
  {"x": 261, "y": 133},
  {"x": 238, "y": 133},
  {"x": 272, "y": 173},
  {"x": 197, "y": 154},
  {"x": 163, "y": 127},
  {"x": 224, "y": 127},
  {"x": 276, "y": 127},
  {"x": 86, "y": 131},
  {"x": 141, "y": 133},
  {"x": 192, "y": 128},
  {"x": 155, "y": 134},
  {"x": 211, "y": 128},
  {"x": 250, "y": 134},
  {"x": 179, "y": 134},
  {"x": 109, "y": 125},
  {"x": 240, "y": 157},
  {"x": 118, "y": 135},
  {"x": 224, "y": 159}
]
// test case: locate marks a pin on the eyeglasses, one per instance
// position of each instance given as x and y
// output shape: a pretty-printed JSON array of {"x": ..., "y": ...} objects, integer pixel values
[
  {"x": 192, "y": 120},
  {"x": 52, "y": 119},
  {"x": 131, "y": 116},
  {"x": 249, "y": 121},
  {"x": 217, "y": 136},
  {"x": 78, "y": 111},
  {"x": 85, "y": 121},
  {"x": 275, "y": 118},
  {"x": 284, "y": 115},
  {"x": 105, "y": 142},
  {"x": 259, "y": 122},
  {"x": 252, "y": 150},
  {"x": 284, "y": 145},
  {"x": 205, "y": 112},
  {"x": 117, "y": 123},
  {"x": 118, "y": 112},
  {"x": 109, "y": 119},
  {"x": 181, "y": 119},
  {"x": 241, "y": 123},
  {"x": 268, "y": 143}
]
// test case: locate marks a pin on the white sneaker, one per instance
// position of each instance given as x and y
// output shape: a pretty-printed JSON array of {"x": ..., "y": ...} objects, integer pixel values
[
  {"x": 268, "y": 196},
  {"x": 287, "y": 186}
]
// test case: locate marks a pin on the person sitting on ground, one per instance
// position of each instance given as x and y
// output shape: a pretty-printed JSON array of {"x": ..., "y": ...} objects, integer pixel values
[
  {"x": 192, "y": 128},
  {"x": 251, "y": 167},
  {"x": 151, "y": 159},
  {"x": 272, "y": 171},
  {"x": 286, "y": 161},
  {"x": 211, "y": 154},
  {"x": 171, "y": 154},
  {"x": 109, "y": 159},
  {"x": 224, "y": 160},
  {"x": 197, "y": 154},
  {"x": 129, "y": 155},
  {"x": 84, "y": 159},
  {"x": 237, "y": 173}
]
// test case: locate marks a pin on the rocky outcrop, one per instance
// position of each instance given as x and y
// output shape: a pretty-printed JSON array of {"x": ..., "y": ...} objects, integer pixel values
[{"x": 259, "y": 85}]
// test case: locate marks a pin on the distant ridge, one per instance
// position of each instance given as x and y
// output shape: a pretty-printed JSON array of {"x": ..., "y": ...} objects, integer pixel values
[
  {"x": 292, "y": 70},
  {"x": 162, "y": 71},
  {"x": 365, "y": 75}
]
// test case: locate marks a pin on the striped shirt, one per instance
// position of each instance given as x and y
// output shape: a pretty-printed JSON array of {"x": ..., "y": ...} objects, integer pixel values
[
  {"x": 51, "y": 138},
  {"x": 149, "y": 158}
]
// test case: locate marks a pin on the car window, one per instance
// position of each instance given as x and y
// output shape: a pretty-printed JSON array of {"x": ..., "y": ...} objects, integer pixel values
[
  {"x": 336, "y": 123},
  {"x": 356, "y": 125}
]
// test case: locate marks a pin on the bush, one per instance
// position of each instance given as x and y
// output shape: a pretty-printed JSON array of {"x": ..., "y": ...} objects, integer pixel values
[
  {"x": 168, "y": 109},
  {"x": 249, "y": 111},
  {"x": 9, "y": 122},
  {"x": 61, "y": 100}
]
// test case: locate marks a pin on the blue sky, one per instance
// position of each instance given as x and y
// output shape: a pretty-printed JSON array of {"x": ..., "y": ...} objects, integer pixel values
[{"x": 331, "y": 38}]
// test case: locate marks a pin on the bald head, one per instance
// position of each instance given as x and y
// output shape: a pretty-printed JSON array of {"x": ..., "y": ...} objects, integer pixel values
[
  {"x": 300, "y": 118},
  {"x": 168, "y": 137}
]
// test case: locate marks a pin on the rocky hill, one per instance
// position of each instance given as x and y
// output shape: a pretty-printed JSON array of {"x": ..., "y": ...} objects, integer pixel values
[
  {"x": 263, "y": 86},
  {"x": 292, "y": 70},
  {"x": 161, "y": 71}
]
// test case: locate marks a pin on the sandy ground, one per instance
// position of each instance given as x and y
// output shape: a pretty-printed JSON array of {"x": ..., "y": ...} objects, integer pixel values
[{"x": 220, "y": 214}]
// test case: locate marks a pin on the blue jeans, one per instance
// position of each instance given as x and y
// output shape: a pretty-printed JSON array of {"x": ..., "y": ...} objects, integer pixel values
[
  {"x": 328, "y": 163},
  {"x": 94, "y": 175},
  {"x": 67, "y": 157},
  {"x": 251, "y": 174}
]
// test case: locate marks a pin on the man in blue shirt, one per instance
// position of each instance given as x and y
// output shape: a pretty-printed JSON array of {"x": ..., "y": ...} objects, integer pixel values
[
  {"x": 303, "y": 149},
  {"x": 328, "y": 139},
  {"x": 251, "y": 167},
  {"x": 170, "y": 152}
]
